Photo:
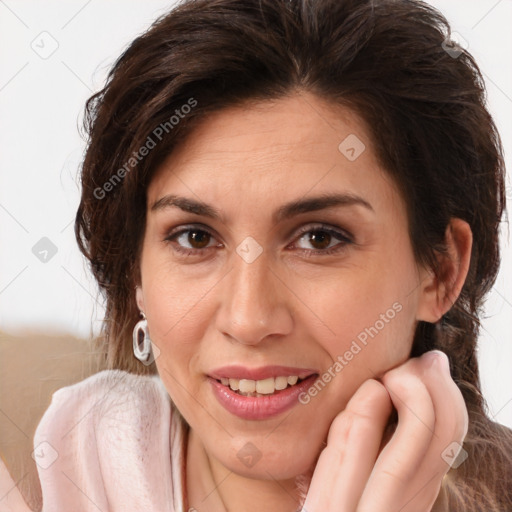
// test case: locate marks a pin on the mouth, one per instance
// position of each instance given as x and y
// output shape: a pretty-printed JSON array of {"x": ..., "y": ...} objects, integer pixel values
[
  {"x": 263, "y": 387},
  {"x": 261, "y": 393}
]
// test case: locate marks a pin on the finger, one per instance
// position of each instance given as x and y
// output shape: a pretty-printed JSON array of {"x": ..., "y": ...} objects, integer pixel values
[
  {"x": 450, "y": 408},
  {"x": 450, "y": 429},
  {"x": 451, "y": 423},
  {"x": 353, "y": 442},
  {"x": 397, "y": 464}
]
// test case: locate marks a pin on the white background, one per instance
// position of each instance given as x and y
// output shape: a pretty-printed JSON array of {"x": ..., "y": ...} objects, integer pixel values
[{"x": 41, "y": 104}]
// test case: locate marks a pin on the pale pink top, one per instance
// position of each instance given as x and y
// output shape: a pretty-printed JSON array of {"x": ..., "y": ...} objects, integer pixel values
[{"x": 112, "y": 442}]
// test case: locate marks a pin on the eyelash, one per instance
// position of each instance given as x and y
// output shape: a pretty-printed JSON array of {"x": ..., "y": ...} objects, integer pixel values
[{"x": 344, "y": 237}]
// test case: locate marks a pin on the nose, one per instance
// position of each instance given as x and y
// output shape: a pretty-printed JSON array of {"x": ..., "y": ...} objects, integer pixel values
[{"x": 255, "y": 303}]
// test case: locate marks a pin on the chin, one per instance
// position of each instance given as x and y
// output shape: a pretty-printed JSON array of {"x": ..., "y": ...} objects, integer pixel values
[{"x": 269, "y": 462}]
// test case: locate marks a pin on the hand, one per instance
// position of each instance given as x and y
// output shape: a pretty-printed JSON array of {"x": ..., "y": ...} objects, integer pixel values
[{"x": 359, "y": 472}]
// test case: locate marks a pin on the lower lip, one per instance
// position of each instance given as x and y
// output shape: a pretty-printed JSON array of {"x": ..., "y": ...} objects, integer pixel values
[{"x": 262, "y": 407}]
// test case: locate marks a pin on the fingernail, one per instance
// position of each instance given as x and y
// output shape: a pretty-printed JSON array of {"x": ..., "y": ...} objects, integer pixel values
[{"x": 440, "y": 357}]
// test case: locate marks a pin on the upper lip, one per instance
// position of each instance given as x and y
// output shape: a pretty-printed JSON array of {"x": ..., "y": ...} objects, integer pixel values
[{"x": 263, "y": 372}]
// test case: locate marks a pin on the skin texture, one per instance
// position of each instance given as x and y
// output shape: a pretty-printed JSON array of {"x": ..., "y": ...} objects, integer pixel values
[{"x": 294, "y": 305}]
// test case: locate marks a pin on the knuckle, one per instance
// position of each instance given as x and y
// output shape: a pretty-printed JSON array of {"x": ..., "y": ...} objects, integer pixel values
[
  {"x": 370, "y": 400},
  {"x": 350, "y": 421},
  {"x": 397, "y": 476},
  {"x": 403, "y": 384},
  {"x": 359, "y": 418}
]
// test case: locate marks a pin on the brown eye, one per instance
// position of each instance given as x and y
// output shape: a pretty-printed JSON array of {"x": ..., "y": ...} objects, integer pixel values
[
  {"x": 322, "y": 240},
  {"x": 198, "y": 239},
  {"x": 191, "y": 240},
  {"x": 319, "y": 239}
]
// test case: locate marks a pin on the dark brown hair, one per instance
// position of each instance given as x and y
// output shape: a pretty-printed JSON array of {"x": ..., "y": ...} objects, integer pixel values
[{"x": 423, "y": 102}]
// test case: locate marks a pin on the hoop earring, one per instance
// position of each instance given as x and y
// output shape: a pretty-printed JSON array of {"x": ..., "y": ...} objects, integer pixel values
[{"x": 141, "y": 340}]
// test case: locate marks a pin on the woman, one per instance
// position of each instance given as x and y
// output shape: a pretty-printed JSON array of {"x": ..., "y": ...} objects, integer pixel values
[{"x": 293, "y": 210}]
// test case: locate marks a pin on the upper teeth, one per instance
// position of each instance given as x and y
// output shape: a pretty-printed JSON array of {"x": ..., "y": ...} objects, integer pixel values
[{"x": 264, "y": 387}]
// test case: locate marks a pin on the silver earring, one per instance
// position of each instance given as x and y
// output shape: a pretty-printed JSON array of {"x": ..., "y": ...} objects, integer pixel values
[{"x": 141, "y": 340}]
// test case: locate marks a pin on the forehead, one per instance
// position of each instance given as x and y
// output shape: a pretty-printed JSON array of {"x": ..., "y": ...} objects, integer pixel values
[{"x": 263, "y": 152}]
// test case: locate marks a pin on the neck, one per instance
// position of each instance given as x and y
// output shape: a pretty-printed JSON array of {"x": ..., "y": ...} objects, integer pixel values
[{"x": 211, "y": 487}]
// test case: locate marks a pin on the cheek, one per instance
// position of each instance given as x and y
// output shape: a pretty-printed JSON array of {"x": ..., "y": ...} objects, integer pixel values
[
  {"x": 372, "y": 337},
  {"x": 371, "y": 321},
  {"x": 178, "y": 338},
  {"x": 176, "y": 318},
  {"x": 174, "y": 300}
]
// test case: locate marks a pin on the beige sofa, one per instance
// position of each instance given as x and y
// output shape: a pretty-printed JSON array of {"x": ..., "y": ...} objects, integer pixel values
[{"x": 32, "y": 367}]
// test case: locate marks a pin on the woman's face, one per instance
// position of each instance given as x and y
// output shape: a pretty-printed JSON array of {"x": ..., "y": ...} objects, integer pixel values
[{"x": 325, "y": 290}]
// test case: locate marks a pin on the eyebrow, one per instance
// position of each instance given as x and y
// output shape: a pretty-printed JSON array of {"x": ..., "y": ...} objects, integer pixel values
[{"x": 284, "y": 212}]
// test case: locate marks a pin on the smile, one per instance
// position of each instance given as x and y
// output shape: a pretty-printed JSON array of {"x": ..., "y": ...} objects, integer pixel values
[
  {"x": 258, "y": 388},
  {"x": 259, "y": 394}
]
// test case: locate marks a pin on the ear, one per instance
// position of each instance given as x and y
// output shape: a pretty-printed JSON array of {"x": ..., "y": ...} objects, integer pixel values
[
  {"x": 139, "y": 298},
  {"x": 439, "y": 293}
]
